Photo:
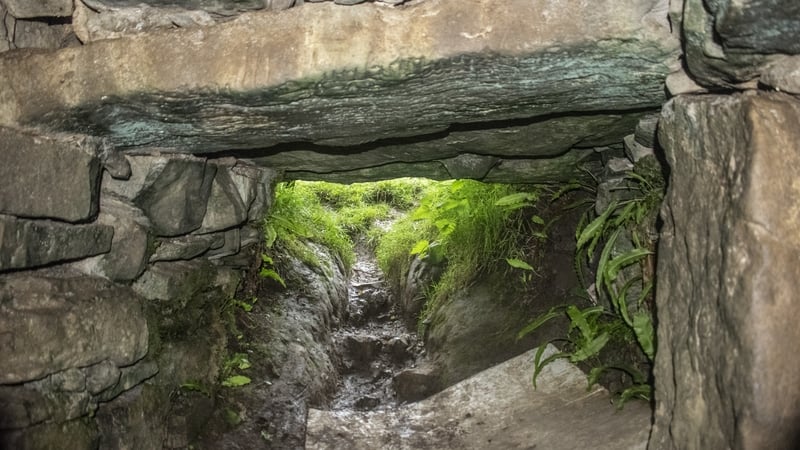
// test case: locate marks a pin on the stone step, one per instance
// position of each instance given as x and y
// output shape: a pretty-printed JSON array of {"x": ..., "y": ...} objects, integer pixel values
[{"x": 497, "y": 408}]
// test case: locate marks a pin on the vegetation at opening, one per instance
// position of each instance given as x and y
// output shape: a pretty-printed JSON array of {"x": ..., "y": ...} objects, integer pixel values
[
  {"x": 618, "y": 244},
  {"x": 298, "y": 218},
  {"x": 469, "y": 228},
  {"x": 332, "y": 215}
]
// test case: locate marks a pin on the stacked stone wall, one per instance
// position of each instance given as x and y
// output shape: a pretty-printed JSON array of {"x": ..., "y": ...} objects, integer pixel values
[{"x": 110, "y": 266}]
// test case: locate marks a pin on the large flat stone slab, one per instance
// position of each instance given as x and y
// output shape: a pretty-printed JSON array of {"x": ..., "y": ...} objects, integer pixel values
[
  {"x": 341, "y": 76},
  {"x": 497, "y": 408},
  {"x": 33, "y": 243}
]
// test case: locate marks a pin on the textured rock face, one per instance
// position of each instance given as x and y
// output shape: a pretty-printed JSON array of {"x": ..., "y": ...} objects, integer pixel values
[
  {"x": 42, "y": 8},
  {"x": 71, "y": 341},
  {"x": 727, "y": 274},
  {"x": 728, "y": 42},
  {"x": 370, "y": 87},
  {"x": 52, "y": 324},
  {"x": 67, "y": 344},
  {"x": 33, "y": 243},
  {"x": 49, "y": 178},
  {"x": 293, "y": 355},
  {"x": 494, "y": 409}
]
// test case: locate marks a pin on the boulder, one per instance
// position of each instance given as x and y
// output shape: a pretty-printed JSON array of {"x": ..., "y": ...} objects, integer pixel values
[
  {"x": 473, "y": 330},
  {"x": 255, "y": 188},
  {"x": 50, "y": 324},
  {"x": 412, "y": 385},
  {"x": 171, "y": 190},
  {"x": 49, "y": 177},
  {"x": 727, "y": 274},
  {"x": 130, "y": 246},
  {"x": 225, "y": 207},
  {"x": 727, "y": 42},
  {"x": 34, "y": 243}
]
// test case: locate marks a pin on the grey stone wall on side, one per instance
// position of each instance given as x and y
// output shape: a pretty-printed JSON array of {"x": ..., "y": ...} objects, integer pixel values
[{"x": 726, "y": 376}]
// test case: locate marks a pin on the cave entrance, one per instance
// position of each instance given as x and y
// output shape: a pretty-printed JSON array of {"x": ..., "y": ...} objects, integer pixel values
[{"x": 445, "y": 280}]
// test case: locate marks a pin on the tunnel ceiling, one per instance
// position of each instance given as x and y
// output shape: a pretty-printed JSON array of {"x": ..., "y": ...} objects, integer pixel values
[{"x": 502, "y": 91}]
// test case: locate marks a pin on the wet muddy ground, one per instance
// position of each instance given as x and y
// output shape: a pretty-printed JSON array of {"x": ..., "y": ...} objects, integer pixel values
[{"x": 374, "y": 346}]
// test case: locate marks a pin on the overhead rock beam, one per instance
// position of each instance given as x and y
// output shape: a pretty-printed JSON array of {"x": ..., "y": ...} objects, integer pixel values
[{"x": 341, "y": 76}]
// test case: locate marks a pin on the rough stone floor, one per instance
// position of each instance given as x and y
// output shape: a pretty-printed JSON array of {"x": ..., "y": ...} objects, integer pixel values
[{"x": 495, "y": 409}]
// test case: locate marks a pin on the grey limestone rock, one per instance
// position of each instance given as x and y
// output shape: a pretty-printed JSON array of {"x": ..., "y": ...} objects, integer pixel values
[
  {"x": 728, "y": 42},
  {"x": 33, "y": 243},
  {"x": 635, "y": 151},
  {"x": 39, "y": 8},
  {"x": 645, "y": 132},
  {"x": 225, "y": 208},
  {"x": 783, "y": 74},
  {"x": 727, "y": 274},
  {"x": 49, "y": 177},
  {"x": 231, "y": 245},
  {"x": 430, "y": 99},
  {"x": 185, "y": 247},
  {"x": 50, "y": 324},
  {"x": 130, "y": 246},
  {"x": 415, "y": 384},
  {"x": 171, "y": 190},
  {"x": 255, "y": 188}
]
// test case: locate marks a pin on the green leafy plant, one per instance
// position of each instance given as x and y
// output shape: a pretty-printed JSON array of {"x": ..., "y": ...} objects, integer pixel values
[
  {"x": 236, "y": 381},
  {"x": 522, "y": 265},
  {"x": 236, "y": 362},
  {"x": 196, "y": 386},
  {"x": 245, "y": 305},
  {"x": 268, "y": 270},
  {"x": 296, "y": 218},
  {"x": 466, "y": 227},
  {"x": 627, "y": 314}
]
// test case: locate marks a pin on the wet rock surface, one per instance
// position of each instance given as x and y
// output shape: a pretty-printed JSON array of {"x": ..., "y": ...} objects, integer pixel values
[
  {"x": 374, "y": 346},
  {"x": 287, "y": 339},
  {"x": 497, "y": 408}
]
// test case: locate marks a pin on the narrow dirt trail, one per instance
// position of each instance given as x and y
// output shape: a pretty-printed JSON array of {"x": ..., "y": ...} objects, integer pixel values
[{"x": 373, "y": 345}]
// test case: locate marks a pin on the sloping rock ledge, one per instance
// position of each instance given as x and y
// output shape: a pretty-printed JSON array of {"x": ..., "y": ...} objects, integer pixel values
[{"x": 497, "y": 408}]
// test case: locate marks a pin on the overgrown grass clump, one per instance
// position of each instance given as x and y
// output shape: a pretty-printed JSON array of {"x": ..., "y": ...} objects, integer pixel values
[
  {"x": 333, "y": 214},
  {"x": 358, "y": 206},
  {"x": 462, "y": 225},
  {"x": 298, "y": 217}
]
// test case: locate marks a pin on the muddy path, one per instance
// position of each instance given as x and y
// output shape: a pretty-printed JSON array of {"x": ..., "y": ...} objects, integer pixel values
[
  {"x": 373, "y": 346},
  {"x": 328, "y": 341}
]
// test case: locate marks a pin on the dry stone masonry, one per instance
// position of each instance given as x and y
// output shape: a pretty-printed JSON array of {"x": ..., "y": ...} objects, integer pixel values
[
  {"x": 139, "y": 143},
  {"x": 95, "y": 266}
]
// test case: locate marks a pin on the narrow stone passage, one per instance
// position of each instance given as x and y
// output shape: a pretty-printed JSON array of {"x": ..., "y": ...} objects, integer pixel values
[
  {"x": 376, "y": 404},
  {"x": 374, "y": 345}
]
